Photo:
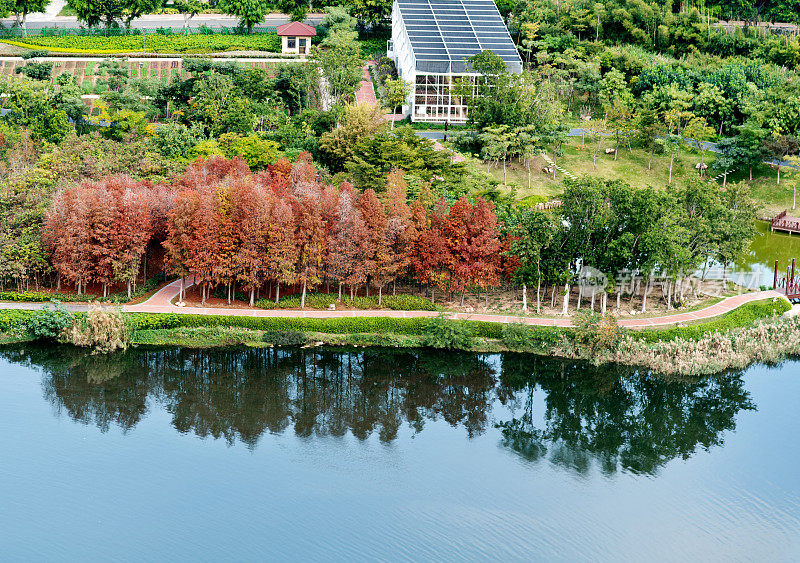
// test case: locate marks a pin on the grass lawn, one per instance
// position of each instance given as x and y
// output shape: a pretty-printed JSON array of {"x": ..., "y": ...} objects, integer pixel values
[{"x": 632, "y": 167}]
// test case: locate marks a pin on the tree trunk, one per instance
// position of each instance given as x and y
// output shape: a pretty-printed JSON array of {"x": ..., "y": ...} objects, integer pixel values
[
  {"x": 671, "y": 160},
  {"x": 303, "y": 297},
  {"x": 566, "y": 299},
  {"x": 524, "y": 297},
  {"x": 644, "y": 297},
  {"x": 340, "y": 292},
  {"x": 751, "y": 173},
  {"x": 129, "y": 290},
  {"x": 724, "y": 177},
  {"x": 252, "y": 296},
  {"x": 538, "y": 296},
  {"x": 669, "y": 295},
  {"x": 277, "y": 292},
  {"x": 380, "y": 295}
]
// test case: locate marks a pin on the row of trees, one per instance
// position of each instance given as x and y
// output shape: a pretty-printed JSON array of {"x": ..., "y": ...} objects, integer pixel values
[
  {"x": 226, "y": 227},
  {"x": 627, "y": 239}
]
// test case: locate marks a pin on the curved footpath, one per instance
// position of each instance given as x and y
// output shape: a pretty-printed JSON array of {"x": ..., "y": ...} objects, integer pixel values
[{"x": 161, "y": 302}]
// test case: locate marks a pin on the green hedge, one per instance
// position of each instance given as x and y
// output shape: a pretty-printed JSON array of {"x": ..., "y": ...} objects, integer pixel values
[
  {"x": 323, "y": 300},
  {"x": 346, "y": 325},
  {"x": 43, "y": 297},
  {"x": 745, "y": 315}
]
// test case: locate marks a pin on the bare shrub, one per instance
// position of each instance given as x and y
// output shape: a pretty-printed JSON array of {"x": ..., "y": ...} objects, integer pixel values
[{"x": 102, "y": 329}]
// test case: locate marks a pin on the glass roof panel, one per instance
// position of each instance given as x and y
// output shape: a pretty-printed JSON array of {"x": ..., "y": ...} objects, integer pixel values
[{"x": 450, "y": 30}]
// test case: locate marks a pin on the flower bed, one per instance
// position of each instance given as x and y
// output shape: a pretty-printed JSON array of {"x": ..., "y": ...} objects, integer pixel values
[{"x": 155, "y": 43}]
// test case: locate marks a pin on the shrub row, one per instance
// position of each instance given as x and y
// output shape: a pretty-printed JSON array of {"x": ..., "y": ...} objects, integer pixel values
[
  {"x": 323, "y": 300},
  {"x": 43, "y": 297},
  {"x": 346, "y": 325}
]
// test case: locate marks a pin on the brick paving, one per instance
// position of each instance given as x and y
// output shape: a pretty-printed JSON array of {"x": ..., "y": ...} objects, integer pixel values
[{"x": 365, "y": 95}]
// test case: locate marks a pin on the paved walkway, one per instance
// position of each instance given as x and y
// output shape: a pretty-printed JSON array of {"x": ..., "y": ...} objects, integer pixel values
[
  {"x": 161, "y": 302},
  {"x": 365, "y": 95}
]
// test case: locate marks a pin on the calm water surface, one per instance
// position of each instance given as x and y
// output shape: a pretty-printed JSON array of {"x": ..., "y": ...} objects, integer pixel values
[{"x": 328, "y": 455}]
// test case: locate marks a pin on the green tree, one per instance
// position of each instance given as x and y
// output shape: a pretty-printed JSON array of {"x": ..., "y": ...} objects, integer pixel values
[
  {"x": 697, "y": 134},
  {"x": 111, "y": 12},
  {"x": 396, "y": 93},
  {"x": 249, "y": 12},
  {"x": 188, "y": 9},
  {"x": 748, "y": 147},
  {"x": 339, "y": 60},
  {"x": 21, "y": 9},
  {"x": 532, "y": 235},
  {"x": 370, "y": 13}
]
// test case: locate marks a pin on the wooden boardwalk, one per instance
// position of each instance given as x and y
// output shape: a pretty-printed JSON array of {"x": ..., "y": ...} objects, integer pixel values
[{"x": 785, "y": 223}]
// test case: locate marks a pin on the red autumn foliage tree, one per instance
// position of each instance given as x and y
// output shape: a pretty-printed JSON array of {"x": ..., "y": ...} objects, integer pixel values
[
  {"x": 474, "y": 242},
  {"x": 99, "y": 232}
]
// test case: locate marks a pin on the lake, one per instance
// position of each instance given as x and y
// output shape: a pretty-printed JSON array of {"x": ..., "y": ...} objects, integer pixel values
[
  {"x": 768, "y": 247},
  {"x": 363, "y": 454}
]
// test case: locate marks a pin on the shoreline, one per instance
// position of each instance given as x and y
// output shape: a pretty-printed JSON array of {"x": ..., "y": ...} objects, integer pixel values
[{"x": 755, "y": 332}]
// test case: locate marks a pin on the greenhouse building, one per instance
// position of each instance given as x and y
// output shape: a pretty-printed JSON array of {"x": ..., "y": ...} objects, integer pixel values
[{"x": 431, "y": 40}]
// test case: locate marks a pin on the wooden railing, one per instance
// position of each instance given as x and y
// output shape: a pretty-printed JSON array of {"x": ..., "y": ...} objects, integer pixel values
[{"x": 789, "y": 284}]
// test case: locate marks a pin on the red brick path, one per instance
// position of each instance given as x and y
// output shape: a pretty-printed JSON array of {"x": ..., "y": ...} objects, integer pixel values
[{"x": 161, "y": 302}]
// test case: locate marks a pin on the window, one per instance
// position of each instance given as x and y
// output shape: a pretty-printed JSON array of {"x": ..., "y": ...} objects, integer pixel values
[{"x": 292, "y": 43}]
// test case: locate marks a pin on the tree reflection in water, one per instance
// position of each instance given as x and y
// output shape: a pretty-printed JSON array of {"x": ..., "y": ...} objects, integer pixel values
[{"x": 613, "y": 417}]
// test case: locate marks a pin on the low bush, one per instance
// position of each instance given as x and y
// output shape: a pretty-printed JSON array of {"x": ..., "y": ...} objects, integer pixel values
[
  {"x": 441, "y": 332},
  {"x": 14, "y": 322},
  {"x": 345, "y": 325},
  {"x": 49, "y": 323},
  {"x": 34, "y": 54},
  {"x": 284, "y": 337},
  {"x": 595, "y": 331},
  {"x": 516, "y": 335}
]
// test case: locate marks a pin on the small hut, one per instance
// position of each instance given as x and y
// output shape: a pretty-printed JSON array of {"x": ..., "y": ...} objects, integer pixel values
[{"x": 296, "y": 37}]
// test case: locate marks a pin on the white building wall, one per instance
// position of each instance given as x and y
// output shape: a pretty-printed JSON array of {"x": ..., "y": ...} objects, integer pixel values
[{"x": 403, "y": 56}]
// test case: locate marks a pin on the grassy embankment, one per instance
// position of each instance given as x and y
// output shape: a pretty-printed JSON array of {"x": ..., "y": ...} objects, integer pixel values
[
  {"x": 751, "y": 333},
  {"x": 632, "y": 167}
]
